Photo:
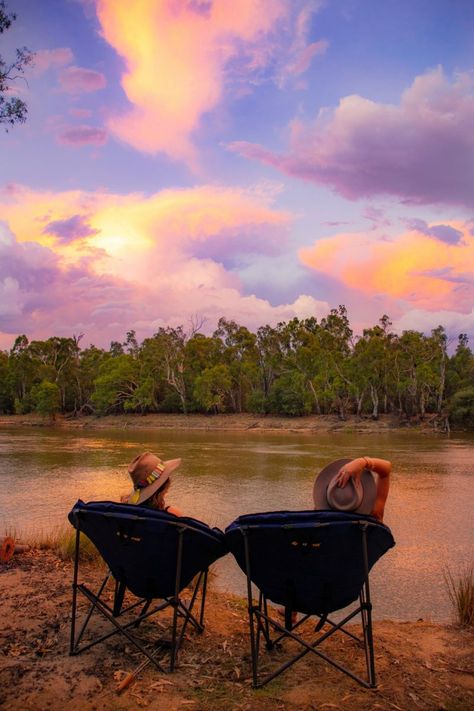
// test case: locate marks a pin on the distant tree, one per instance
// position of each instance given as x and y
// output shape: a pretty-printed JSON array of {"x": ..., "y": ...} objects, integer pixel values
[
  {"x": 46, "y": 398},
  {"x": 12, "y": 109}
]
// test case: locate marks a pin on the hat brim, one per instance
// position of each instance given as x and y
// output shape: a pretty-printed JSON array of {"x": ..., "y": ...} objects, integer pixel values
[
  {"x": 328, "y": 473},
  {"x": 170, "y": 466}
]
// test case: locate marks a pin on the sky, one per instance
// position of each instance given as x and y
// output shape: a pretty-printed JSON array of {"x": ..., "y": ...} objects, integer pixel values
[{"x": 185, "y": 160}]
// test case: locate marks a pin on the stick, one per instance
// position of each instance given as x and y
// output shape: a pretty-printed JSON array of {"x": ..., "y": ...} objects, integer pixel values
[{"x": 125, "y": 683}]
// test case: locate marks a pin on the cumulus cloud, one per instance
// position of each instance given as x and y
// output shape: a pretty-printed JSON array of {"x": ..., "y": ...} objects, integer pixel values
[
  {"x": 181, "y": 58},
  {"x": 453, "y": 321},
  {"x": 134, "y": 261},
  {"x": 82, "y": 136},
  {"x": 77, "y": 80},
  {"x": 420, "y": 150},
  {"x": 416, "y": 268}
]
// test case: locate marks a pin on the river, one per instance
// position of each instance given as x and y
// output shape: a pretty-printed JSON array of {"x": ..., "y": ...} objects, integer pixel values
[{"x": 43, "y": 471}]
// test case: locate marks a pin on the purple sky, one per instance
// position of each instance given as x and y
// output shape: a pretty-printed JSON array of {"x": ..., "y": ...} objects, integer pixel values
[{"x": 257, "y": 160}]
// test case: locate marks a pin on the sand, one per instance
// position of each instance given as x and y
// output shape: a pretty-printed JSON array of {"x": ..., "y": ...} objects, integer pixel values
[{"x": 420, "y": 665}]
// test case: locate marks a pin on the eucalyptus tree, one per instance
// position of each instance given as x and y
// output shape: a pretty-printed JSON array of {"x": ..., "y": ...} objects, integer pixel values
[
  {"x": 240, "y": 354},
  {"x": 115, "y": 385},
  {"x": 371, "y": 365}
]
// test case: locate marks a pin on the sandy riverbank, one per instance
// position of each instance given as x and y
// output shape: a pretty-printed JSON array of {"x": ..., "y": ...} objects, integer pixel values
[
  {"x": 419, "y": 665},
  {"x": 242, "y": 422}
]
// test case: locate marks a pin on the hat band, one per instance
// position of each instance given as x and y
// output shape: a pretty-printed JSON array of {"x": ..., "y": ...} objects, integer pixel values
[{"x": 150, "y": 478}]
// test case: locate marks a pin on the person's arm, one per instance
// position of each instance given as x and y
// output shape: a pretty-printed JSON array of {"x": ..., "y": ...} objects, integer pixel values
[
  {"x": 382, "y": 467},
  {"x": 173, "y": 510}
]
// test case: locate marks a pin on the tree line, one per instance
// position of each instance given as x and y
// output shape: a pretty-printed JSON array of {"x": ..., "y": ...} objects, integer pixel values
[{"x": 298, "y": 367}]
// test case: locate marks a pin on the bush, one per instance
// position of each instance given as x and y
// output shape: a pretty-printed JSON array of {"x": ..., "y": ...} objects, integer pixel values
[
  {"x": 461, "y": 410},
  {"x": 289, "y": 395},
  {"x": 47, "y": 398},
  {"x": 461, "y": 594}
]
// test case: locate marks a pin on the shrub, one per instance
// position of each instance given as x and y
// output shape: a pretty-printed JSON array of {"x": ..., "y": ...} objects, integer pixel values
[{"x": 461, "y": 594}]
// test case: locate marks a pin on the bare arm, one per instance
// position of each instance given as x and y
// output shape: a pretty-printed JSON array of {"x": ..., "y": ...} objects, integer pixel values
[
  {"x": 382, "y": 467},
  {"x": 174, "y": 510}
]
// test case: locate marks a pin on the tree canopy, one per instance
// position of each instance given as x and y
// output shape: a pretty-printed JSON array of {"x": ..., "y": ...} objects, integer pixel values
[{"x": 295, "y": 368}]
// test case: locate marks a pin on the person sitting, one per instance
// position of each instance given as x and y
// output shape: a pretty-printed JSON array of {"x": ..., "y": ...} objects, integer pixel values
[
  {"x": 349, "y": 485},
  {"x": 151, "y": 482}
]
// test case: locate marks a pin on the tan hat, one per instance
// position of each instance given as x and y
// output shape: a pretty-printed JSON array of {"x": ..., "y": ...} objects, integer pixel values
[
  {"x": 354, "y": 497},
  {"x": 148, "y": 474}
]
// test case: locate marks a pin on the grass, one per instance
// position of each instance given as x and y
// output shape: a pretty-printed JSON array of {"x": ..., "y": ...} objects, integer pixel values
[
  {"x": 61, "y": 540},
  {"x": 461, "y": 593}
]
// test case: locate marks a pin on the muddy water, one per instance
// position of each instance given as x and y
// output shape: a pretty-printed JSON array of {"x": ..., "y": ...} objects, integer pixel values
[{"x": 430, "y": 507}]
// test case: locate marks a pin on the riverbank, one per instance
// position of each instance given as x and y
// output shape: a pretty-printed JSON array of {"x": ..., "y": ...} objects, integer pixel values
[
  {"x": 420, "y": 665},
  {"x": 232, "y": 422}
]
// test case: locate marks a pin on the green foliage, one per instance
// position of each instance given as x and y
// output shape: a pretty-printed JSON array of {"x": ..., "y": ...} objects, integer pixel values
[
  {"x": 461, "y": 409},
  {"x": 115, "y": 385},
  {"x": 46, "y": 398},
  {"x": 12, "y": 109},
  {"x": 294, "y": 368},
  {"x": 288, "y": 395},
  {"x": 212, "y": 387}
]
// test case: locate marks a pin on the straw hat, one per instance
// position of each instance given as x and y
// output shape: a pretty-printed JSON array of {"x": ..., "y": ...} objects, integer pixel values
[
  {"x": 354, "y": 497},
  {"x": 148, "y": 474}
]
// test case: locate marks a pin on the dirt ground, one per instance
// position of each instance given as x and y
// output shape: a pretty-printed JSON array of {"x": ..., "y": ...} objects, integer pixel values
[
  {"x": 233, "y": 422},
  {"x": 419, "y": 665}
]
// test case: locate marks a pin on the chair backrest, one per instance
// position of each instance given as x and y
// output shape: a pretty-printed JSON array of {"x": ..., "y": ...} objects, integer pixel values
[
  {"x": 141, "y": 546},
  {"x": 311, "y": 561}
]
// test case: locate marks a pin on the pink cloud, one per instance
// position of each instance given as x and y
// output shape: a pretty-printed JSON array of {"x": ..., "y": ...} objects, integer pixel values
[
  {"x": 82, "y": 136},
  {"x": 76, "y": 80},
  {"x": 141, "y": 263},
  {"x": 420, "y": 151},
  {"x": 182, "y": 59},
  {"x": 45, "y": 59},
  {"x": 422, "y": 269}
]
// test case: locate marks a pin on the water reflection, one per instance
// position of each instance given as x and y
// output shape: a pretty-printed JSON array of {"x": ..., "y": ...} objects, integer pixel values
[{"x": 43, "y": 472}]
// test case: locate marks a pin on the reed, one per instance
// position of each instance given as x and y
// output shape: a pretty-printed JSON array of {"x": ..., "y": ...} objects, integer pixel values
[{"x": 461, "y": 593}]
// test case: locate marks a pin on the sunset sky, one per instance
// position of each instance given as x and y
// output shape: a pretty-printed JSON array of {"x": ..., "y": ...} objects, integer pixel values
[{"x": 254, "y": 159}]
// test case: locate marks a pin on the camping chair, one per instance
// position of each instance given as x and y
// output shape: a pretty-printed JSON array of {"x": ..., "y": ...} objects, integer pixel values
[
  {"x": 154, "y": 556},
  {"x": 310, "y": 562}
]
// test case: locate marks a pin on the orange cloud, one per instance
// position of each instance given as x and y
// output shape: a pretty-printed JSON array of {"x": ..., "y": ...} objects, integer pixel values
[
  {"x": 128, "y": 228},
  {"x": 175, "y": 56},
  {"x": 100, "y": 263},
  {"x": 417, "y": 268}
]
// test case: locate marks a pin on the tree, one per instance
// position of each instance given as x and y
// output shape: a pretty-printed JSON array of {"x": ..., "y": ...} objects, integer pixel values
[
  {"x": 46, "y": 398},
  {"x": 12, "y": 110}
]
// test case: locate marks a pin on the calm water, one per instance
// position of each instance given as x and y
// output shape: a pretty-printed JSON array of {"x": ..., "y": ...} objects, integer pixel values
[{"x": 44, "y": 471}]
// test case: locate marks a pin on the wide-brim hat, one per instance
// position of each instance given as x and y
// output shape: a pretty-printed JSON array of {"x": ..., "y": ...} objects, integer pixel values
[
  {"x": 350, "y": 498},
  {"x": 148, "y": 474}
]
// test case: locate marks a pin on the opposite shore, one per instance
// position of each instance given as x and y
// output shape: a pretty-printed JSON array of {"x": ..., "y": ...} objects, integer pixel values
[{"x": 235, "y": 422}]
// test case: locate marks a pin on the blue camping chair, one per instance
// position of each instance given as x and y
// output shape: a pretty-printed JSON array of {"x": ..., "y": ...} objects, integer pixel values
[
  {"x": 311, "y": 562},
  {"x": 151, "y": 555}
]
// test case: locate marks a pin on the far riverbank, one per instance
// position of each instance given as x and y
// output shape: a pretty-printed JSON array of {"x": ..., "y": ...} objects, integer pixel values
[{"x": 233, "y": 423}]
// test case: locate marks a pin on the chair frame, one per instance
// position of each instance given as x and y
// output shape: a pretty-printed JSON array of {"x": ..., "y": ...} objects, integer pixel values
[
  {"x": 182, "y": 612},
  {"x": 261, "y": 624}
]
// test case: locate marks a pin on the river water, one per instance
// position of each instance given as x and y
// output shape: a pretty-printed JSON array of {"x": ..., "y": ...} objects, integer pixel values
[{"x": 224, "y": 474}]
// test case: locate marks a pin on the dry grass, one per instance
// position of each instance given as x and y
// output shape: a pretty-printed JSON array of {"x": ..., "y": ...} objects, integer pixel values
[
  {"x": 61, "y": 540},
  {"x": 461, "y": 593}
]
